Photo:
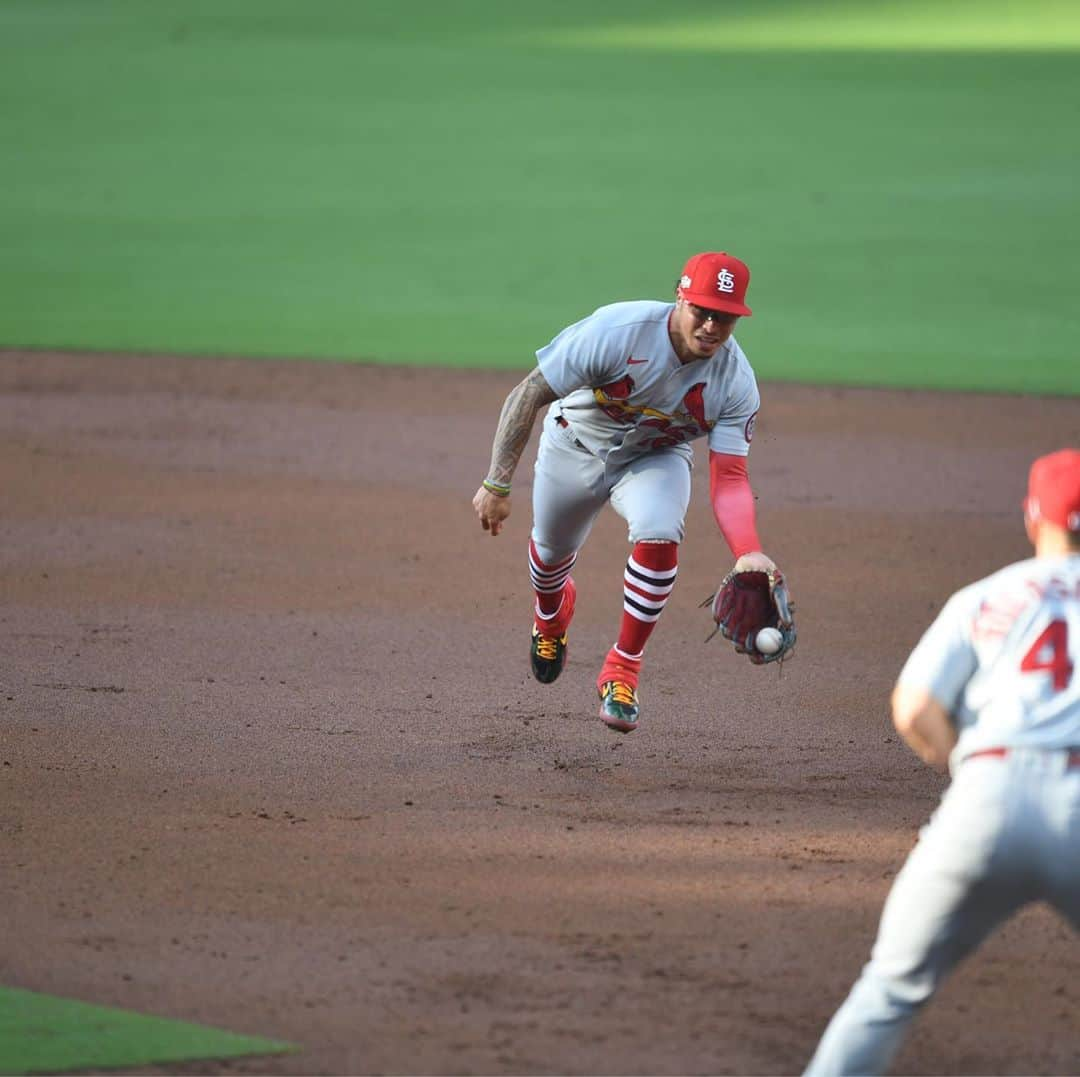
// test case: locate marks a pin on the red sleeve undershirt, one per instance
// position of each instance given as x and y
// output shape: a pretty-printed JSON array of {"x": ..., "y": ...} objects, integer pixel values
[{"x": 733, "y": 502}]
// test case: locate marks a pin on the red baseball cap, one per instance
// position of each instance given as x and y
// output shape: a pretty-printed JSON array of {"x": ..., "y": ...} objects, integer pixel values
[
  {"x": 716, "y": 280},
  {"x": 1054, "y": 489}
]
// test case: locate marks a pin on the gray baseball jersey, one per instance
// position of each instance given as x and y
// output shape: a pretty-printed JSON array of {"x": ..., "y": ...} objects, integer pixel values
[
  {"x": 624, "y": 391},
  {"x": 1000, "y": 657}
]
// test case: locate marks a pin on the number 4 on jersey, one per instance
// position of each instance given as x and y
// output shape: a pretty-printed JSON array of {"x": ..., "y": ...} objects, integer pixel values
[{"x": 1050, "y": 652}]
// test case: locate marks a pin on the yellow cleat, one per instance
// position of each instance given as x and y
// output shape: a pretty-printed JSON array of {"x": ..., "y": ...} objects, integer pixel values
[{"x": 548, "y": 656}]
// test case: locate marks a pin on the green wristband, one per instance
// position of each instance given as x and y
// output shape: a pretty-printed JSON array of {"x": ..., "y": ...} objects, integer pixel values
[{"x": 499, "y": 489}]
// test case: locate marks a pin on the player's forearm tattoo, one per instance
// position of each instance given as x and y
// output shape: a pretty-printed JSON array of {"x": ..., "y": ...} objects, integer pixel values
[{"x": 516, "y": 423}]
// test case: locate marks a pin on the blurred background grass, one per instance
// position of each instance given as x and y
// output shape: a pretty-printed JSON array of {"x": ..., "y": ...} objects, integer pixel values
[{"x": 416, "y": 182}]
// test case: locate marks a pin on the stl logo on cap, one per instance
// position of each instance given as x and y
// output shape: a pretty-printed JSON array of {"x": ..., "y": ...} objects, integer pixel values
[{"x": 716, "y": 280}]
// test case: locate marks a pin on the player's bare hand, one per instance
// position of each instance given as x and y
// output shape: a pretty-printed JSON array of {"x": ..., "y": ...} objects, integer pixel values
[
  {"x": 755, "y": 562},
  {"x": 492, "y": 510}
]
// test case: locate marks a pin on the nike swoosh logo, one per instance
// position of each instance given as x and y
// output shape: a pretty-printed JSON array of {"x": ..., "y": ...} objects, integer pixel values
[{"x": 629, "y": 361}]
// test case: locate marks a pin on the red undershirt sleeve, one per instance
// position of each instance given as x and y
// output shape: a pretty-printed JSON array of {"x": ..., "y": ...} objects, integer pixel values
[{"x": 733, "y": 502}]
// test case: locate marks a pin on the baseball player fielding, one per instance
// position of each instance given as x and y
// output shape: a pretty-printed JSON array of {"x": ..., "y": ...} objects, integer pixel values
[{"x": 627, "y": 389}]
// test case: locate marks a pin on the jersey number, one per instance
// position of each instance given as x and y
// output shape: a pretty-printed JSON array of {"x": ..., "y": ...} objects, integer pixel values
[{"x": 1055, "y": 640}]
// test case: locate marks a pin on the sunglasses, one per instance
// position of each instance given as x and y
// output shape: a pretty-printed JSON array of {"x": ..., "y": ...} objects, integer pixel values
[{"x": 703, "y": 314}]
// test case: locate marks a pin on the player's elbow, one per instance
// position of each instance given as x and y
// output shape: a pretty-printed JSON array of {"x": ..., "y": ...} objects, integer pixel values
[
  {"x": 924, "y": 723},
  {"x": 912, "y": 708},
  {"x": 903, "y": 714}
]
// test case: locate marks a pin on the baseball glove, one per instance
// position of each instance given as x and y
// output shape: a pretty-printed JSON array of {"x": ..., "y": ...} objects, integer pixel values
[{"x": 748, "y": 601}]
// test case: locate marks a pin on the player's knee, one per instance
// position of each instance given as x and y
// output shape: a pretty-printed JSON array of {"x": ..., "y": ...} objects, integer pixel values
[{"x": 893, "y": 993}]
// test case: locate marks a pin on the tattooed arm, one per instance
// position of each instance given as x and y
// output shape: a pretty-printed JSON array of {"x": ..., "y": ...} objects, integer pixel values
[{"x": 519, "y": 412}]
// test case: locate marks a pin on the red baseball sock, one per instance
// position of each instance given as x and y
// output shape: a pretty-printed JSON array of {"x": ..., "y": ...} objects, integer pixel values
[
  {"x": 647, "y": 583},
  {"x": 549, "y": 583}
]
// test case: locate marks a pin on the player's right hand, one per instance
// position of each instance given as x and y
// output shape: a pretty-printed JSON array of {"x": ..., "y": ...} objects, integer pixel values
[{"x": 491, "y": 509}]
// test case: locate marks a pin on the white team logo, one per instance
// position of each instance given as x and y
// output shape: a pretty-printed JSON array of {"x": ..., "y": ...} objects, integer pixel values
[
  {"x": 725, "y": 281},
  {"x": 684, "y": 282}
]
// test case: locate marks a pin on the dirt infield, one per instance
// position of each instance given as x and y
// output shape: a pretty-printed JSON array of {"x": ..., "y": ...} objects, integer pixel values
[{"x": 272, "y": 759}]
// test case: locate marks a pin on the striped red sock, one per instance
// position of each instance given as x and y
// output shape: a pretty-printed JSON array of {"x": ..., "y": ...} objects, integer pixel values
[
  {"x": 647, "y": 583},
  {"x": 548, "y": 581}
]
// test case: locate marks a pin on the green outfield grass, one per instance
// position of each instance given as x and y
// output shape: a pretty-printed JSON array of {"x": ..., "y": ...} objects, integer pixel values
[{"x": 430, "y": 183}]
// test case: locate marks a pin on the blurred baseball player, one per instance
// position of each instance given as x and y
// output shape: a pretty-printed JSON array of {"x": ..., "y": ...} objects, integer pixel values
[
  {"x": 991, "y": 693},
  {"x": 629, "y": 387}
]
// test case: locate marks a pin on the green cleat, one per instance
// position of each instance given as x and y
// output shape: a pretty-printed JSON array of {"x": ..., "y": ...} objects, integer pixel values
[
  {"x": 619, "y": 706},
  {"x": 547, "y": 656},
  {"x": 548, "y": 653}
]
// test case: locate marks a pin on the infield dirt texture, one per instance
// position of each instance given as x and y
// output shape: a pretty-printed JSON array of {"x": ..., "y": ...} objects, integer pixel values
[{"x": 273, "y": 759}]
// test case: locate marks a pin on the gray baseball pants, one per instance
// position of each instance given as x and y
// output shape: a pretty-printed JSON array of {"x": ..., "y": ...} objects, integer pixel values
[
  {"x": 571, "y": 486},
  {"x": 1007, "y": 832}
]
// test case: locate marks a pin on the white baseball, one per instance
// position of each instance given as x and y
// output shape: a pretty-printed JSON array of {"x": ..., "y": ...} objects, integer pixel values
[{"x": 768, "y": 640}]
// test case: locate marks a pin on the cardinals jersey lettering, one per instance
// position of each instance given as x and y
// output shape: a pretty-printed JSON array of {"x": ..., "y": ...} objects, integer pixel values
[
  {"x": 624, "y": 391},
  {"x": 1002, "y": 656}
]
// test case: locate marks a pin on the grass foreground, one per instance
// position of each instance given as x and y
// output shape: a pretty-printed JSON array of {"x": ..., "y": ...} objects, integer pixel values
[{"x": 44, "y": 1034}]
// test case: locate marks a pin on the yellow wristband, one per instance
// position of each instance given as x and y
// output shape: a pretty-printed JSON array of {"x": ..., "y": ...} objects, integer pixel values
[{"x": 499, "y": 489}]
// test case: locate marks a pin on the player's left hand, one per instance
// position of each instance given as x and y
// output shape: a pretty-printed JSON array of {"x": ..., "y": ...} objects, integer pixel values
[
  {"x": 492, "y": 510},
  {"x": 755, "y": 562},
  {"x": 753, "y": 596}
]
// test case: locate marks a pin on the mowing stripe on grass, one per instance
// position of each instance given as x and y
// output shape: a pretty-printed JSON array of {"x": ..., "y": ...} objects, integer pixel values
[
  {"x": 452, "y": 184},
  {"x": 42, "y": 1033}
]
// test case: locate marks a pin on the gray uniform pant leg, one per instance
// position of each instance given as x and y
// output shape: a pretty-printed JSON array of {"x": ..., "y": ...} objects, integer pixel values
[
  {"x": 569, "y": 490},
  {"x": 991, "y": 847},
  {"x": 651, "y": 494},
  {"x": 571, "y": 486},
  {"x": 1061, "y": 846}
]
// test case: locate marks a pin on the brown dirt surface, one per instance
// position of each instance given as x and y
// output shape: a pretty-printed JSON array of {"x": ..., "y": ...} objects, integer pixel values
[{"x": 272, "y": 759}]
